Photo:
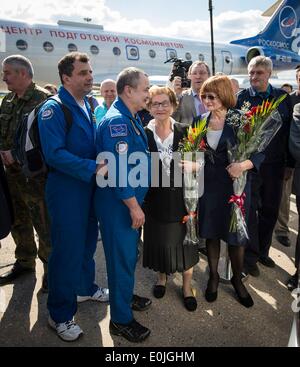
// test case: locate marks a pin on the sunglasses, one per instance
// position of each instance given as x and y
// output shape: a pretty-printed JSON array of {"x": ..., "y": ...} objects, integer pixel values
[{"x": 210, "y": 97}]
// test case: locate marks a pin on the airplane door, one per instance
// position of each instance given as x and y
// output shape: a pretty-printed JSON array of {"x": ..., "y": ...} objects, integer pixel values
[{"x": 227, "y": 62}]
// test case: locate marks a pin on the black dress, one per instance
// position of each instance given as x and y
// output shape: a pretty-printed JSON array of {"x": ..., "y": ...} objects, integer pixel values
[
  {"x": 214, "y": 208},
  {"x": 163, "y": 230}
]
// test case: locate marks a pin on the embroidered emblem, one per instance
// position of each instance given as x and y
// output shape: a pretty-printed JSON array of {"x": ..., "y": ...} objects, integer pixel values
[
  {"x": 121, "y": 147},
  {"x": 117, "y": 131},
  {"x": 47, "y": 114}
]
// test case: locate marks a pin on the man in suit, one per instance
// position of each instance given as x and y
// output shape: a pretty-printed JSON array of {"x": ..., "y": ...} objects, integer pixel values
[
  {"x": 282, "y": 231},
  {"x": 294, "y": 145},
  {"x": 190, "y": 104},
  {"x": 266, "y": 185}
]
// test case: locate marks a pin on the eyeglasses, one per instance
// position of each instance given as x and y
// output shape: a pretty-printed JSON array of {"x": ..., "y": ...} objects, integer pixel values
[
  {"x": 163, "y": 104},
  {"x": 210, "y": 97}
]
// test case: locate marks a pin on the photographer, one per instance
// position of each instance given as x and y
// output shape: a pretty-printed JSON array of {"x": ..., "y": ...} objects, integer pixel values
[
  {"x": 176, "y": 86},
  {"x": 190, "y": 104}
]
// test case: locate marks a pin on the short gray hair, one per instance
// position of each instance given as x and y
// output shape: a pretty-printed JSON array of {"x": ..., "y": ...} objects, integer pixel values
[
  {"x": 19, "y": 62},
  {"x": 263, "y": 61},
  {"x": 129, "y": 76}
]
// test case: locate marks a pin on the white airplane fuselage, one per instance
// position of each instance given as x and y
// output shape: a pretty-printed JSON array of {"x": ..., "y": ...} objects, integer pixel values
[
  {"x": 110, "y": 52},
  {"x": 45, "y": 45}
]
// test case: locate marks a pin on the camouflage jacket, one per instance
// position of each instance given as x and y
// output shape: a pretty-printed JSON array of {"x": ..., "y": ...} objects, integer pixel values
[{"x": 13, "y": 109}]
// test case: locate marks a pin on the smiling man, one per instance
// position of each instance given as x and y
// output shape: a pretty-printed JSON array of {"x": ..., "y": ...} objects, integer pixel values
[
  {"x": 71, "y": 156},
  {"x": 118, "y": 206}
]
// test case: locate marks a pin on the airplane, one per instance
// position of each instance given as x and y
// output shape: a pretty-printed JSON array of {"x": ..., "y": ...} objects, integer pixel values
[{"x": 110, "y": 52}]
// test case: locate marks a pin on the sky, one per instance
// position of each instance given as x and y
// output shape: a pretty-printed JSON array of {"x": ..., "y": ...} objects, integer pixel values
[{"x": 233, "y": 19}]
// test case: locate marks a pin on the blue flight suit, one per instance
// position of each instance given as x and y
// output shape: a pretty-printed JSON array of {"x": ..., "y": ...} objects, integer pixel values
[
  {"x": 71, "y": 156},
  {"x": 120, "y": 134}
]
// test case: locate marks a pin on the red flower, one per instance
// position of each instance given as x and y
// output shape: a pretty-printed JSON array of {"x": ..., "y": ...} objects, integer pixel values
[
  {"x": 202, "y": 145},
  {"x": 247, "y": 128}
]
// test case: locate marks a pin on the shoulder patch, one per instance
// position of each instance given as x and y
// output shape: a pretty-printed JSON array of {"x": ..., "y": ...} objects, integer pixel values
[
  {"x": 121, "y": 147},
  {"x": 118, "y": 130},
  {"x": 47, "y": 114}
]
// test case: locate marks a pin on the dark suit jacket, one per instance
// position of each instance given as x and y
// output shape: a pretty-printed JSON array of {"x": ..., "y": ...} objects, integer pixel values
[
  {"x": 6, "y": 208},
  {"x": 277, "y": 151},
  {"x": 294, "y": 145},
  {"x": 166, "y": 204}
]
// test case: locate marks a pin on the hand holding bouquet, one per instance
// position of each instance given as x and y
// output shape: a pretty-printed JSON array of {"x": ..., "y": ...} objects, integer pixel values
[
  {"x": 192, "y": 150},
  {"x": 256, "y": 127}
]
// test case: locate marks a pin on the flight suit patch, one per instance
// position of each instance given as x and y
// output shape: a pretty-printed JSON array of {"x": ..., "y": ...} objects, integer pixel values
[
  {"x": 117, "y": 131},
  {"x": 47, "y": 114},
  {"x": 121, "y": 147}
]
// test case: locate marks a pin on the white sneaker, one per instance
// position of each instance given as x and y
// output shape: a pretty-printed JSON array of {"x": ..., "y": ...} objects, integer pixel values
[
  {"x": 101, "y": 295},
  {"x": 68, "y": 331}
]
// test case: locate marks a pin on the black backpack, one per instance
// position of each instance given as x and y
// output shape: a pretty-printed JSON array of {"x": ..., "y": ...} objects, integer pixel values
[{"x": 29, "y": 151}]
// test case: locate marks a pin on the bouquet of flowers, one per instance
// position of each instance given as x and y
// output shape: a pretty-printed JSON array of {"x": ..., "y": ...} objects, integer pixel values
[
  {"x": 256, "y": 127},
  {"x": 192, "y": 149}
]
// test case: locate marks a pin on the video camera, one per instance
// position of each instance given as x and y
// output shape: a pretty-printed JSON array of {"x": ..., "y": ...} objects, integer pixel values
[{"x": 180, "y": 68}]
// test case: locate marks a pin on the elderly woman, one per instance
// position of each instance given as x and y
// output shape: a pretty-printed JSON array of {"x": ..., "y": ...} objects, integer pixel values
[
  {"x": 164, "y": 206},
  {"x": 215, "y": 211}
]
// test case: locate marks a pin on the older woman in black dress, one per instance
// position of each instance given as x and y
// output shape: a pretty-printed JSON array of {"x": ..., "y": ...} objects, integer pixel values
[
  {"x": 215, "y": 211},
  {"x": 164, "y": 206}
]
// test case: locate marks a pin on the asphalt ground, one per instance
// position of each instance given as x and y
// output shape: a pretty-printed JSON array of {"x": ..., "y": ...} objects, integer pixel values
[{"x": 224, "y": 323}]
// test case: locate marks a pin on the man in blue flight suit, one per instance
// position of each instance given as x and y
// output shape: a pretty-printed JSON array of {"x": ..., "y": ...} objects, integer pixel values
[
  {"x": 71, "y": 156},
  {"x": 118, "y": 205}
]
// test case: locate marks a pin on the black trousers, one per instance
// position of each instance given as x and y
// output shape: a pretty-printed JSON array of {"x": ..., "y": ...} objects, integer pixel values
[{"x": 266, "y": 190}]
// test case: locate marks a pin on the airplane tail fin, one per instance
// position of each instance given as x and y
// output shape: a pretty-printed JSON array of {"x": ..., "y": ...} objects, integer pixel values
[{"x": 282, "y": 31}]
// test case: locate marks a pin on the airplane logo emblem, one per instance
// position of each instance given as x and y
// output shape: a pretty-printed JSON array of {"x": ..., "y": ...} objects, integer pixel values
[{"x": 287, "y": 21}]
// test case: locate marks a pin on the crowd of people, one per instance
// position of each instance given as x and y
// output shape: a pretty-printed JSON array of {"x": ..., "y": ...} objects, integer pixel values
[{"x": 68, "y": 207}]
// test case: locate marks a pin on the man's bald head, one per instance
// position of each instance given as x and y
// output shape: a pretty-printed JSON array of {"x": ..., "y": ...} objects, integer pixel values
[{"x": 108, "y": 91}]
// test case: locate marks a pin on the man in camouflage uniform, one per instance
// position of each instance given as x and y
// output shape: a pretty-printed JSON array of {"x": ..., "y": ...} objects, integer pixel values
[{"x": 27, "y": 194}]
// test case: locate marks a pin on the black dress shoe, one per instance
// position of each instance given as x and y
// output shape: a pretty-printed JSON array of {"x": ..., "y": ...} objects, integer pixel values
[
  {"x": 134, "y": 332},
  {"x": 140, "y": 303},
  {"x": 252, "y": 269},
  {"x": 159, "y": 291},
  {"x": 16, "y": 271},
  {"x": 245, "y": 301},
  {"x": 284, "y": 240},
  {"x": 292, "y": 283},
  {"x": 267, "y": 261},
  {"x": 211, "y": 296},
  {"x": 190, "y": 302}
]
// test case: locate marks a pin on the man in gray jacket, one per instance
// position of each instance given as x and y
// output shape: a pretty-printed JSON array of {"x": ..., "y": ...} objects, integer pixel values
[
  {"x": 294, "y": 145},
  {"x": 190, "y": 104}
]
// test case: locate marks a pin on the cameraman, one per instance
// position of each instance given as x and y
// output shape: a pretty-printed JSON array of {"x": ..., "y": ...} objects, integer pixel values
[
  {"x": 190, "y": 104},
  {"x": 176, "y": 86}
]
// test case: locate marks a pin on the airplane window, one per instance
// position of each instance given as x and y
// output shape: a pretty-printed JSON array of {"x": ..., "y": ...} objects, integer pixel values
[
  {"x": 48, "y": 46},
  {"x": 188, "y": 56},
  {"x": 72, "y": 47},
  {"x": 201, "y": 57},
  {"x": 227, "y": 60},
  {"x": 94, "y": 50},
  {"x": 22, "y": 45},
  {"x": 152, "y": 54},
  {"x": 116, "y": 51},
  {"x": 172, "y": 54},
  {"x": 133, "y": 52}
]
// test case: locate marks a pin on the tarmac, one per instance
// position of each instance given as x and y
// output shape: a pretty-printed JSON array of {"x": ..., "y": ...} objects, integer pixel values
[{"x": 224, "y": 323}]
